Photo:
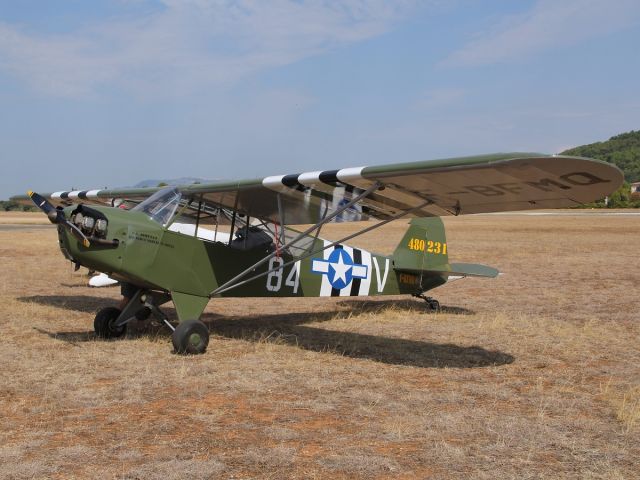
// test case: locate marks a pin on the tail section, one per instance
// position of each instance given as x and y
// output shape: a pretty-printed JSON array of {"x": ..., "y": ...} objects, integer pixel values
[
  {"x": 423, "y": 247},
  {"x": 423, "y": 250}
]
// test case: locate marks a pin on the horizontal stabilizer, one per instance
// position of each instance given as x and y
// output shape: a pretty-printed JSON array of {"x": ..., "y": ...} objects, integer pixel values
[
  {"x": 473, "y": 270},
  {"x": 458, "y": 270}
]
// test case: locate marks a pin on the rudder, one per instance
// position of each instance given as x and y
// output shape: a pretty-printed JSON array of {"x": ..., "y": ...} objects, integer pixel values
[{"x": 423, "y": 247}]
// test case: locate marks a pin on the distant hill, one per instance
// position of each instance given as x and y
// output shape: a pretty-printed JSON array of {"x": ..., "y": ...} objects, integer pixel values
[{"x": 622, "y": 150}]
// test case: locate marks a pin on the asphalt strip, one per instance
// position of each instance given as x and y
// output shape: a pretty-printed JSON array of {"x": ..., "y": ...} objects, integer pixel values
[{"x": 14, "y": 226}]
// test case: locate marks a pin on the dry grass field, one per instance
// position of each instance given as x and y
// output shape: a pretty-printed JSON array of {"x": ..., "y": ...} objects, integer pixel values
[
  {"x": 23, "y": 218},
  {"x": 535, "y": 374}
]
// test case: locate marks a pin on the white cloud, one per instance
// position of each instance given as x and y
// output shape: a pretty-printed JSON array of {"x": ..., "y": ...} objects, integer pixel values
[
  {"x": 549, "y": 24},
  {"x": 188, "y": 44},
  {"x": 440, "y": 97}
]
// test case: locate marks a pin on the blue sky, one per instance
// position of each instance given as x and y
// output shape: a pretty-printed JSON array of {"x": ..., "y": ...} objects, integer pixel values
[{"x": 110, "y": 92}]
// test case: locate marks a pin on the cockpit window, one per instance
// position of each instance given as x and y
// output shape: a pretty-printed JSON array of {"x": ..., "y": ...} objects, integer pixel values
[{"x": 161, "y": 205}]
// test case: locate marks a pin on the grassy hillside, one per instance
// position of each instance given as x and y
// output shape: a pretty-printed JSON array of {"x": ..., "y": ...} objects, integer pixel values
[{"x": 622, "y": 150}]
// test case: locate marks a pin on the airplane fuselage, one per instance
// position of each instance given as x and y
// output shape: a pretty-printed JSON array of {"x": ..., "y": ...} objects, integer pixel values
[{"x": 151, "y": 256}]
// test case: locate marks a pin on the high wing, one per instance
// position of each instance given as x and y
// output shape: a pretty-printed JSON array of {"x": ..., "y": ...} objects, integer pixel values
[{"x": 454, "y": 186}]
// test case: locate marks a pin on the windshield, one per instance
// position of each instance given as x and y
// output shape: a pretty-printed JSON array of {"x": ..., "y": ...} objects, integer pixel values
[{"x": 161, "y": 205}]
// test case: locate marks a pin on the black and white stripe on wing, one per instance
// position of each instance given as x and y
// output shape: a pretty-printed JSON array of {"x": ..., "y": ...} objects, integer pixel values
[
  {"x": 67, "y": 197},
  {"x": 323, "y": 185}
]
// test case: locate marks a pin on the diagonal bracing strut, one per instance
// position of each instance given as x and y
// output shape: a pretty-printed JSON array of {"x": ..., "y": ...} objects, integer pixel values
[
  {"x": 333, "y": 244},
  {"x": 338, "y": 211}
]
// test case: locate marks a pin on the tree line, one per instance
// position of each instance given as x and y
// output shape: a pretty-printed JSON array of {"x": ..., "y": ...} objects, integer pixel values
[{"x": 623, "y": 151}]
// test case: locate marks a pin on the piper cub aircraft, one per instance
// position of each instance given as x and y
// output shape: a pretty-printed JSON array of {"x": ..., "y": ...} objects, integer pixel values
[{"x": 236, "y": 239}]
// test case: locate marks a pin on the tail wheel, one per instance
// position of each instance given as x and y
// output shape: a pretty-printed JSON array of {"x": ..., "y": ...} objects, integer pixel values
[
  {"x": 104, "y": 323},
  {"x": 434, "y": 305},
  {"x": 190, "y": 337}
]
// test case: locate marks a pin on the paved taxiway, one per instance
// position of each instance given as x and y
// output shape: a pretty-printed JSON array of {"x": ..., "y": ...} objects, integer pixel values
[{"x": 15, "y": 226}]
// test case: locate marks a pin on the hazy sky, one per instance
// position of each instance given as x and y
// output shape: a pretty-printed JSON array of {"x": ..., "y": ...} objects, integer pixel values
[{"x": 109, "y": 92}]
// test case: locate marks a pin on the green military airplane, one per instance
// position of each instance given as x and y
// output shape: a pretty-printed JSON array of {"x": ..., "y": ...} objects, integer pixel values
[{"x": 191, "y": 243}]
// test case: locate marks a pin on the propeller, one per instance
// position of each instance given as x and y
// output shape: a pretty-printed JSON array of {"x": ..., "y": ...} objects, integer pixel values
[{"x": 57, "y": 216}]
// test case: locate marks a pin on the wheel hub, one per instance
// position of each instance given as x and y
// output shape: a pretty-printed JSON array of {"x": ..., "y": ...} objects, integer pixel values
[{"x": 194, "y": 339}]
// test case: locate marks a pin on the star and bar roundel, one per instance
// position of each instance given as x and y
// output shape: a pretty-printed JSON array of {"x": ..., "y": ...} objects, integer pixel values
[{"x": 345, "y": 271}]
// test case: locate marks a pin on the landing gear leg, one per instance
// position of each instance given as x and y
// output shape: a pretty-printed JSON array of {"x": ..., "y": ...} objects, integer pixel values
[
  {"x": 105, "y": 323},
  {"x": 191, "y": 336},
  {"x": 152, "y": 304},
  {"x": 111, "y": 322},
  {"x": 432, "y": 303}
]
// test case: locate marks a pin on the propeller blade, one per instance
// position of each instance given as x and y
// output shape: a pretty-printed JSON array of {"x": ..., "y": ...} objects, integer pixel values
[
  {"x": 41, "y": 202},
  {"x": 54, "y": 215},
  {"x": 57, "y": 216}
]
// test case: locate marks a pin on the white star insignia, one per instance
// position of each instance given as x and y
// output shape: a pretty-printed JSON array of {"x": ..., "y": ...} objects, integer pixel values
[{"x": 340, "y": 269}]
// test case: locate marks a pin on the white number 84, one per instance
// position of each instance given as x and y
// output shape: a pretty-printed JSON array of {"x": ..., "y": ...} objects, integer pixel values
[{"x": 274, "y": 279}]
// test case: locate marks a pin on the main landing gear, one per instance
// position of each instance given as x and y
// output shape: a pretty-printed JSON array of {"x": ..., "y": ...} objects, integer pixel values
[
  {"x": 432, "y": 303},
  {"x": 105, "y": 323},
  {"x": 189, "y": 337}
]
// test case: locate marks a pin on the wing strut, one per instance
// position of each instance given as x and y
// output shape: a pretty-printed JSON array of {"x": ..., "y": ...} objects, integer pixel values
[
  {"x": 225, "y": 287},
  {"x": 233, "y": 219},
  {"x": 338, "y": 211}
]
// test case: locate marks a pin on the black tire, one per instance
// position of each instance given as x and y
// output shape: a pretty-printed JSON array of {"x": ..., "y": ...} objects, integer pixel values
[
  {"x": 104, "y": 322},
  {"x": 190, "y": 337},
  {"x": 143, "y": 314},
  {"x": 434, "y": 305}
]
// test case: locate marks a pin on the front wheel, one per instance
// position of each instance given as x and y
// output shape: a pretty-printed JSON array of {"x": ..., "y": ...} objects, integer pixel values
[
  {"x": 434, "y": 305},
  {"x": 190, "y": 337},
  {"x": 104, "y": 323}
]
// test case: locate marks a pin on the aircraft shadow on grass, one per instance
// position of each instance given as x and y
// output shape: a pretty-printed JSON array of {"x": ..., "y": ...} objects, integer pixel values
[
  {"x": 76, "y": 303},
  {"x": 290, "y": 329},
  {"x": 416, "y": 306}
]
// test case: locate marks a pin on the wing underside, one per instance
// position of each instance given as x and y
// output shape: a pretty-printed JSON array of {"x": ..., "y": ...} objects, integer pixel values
[{"x": 491, "y": 183}]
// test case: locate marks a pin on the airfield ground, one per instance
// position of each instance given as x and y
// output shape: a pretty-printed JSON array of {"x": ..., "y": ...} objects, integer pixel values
[{"x": 535, "y": 374}]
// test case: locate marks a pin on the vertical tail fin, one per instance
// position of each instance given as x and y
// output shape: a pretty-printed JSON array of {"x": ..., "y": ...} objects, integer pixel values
[{"x": 423, "y": 247}]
